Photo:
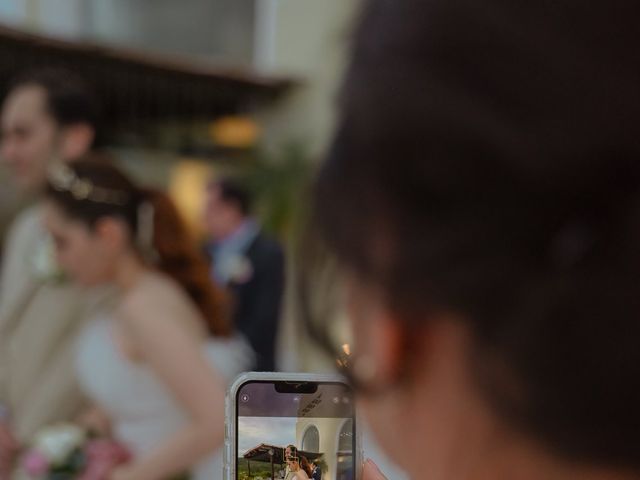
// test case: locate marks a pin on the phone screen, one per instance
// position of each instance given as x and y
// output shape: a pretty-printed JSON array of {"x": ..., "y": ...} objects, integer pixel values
[{"x": 295, "y": 431}]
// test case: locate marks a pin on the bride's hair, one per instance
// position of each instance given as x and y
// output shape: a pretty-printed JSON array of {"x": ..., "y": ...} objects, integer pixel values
[
  {"x": 91, "y": 189},
  {"x": 305, "y": 465}
]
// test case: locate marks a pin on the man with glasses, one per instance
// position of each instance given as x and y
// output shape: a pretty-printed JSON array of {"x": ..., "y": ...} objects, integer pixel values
[{"x": 316, "y": 472}]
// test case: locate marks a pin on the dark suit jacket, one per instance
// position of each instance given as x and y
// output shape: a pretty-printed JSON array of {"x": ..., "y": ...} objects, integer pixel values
[
  {"x": 317, "y": 474},
  {"x": 258, "y": 301}
]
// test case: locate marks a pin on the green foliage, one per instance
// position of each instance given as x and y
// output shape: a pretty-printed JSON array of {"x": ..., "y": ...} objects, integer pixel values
[
  {"x": 322, "y": 464},
  {"x": 280, "y": 182},
  {"x": 71, "y": 468},
  {"x": 258, "y": 469}
]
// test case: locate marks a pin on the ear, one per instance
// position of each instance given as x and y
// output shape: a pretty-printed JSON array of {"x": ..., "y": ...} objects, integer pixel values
[
  {"x": 76, "y": 140},
  {"x": 112, "y": 232},
  {"x": 380, "y": 337},
  {"x": 387, "y": 343}
]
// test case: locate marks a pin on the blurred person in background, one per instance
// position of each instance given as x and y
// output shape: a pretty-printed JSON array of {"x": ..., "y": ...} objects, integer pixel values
[
  {"x": 482, "y": 195},
  {"x": 155, "y": 366},
  {"x": 47, "y": 116},
  {"x": 316, "y": 472},
  {"x": 249, "y": 264}
]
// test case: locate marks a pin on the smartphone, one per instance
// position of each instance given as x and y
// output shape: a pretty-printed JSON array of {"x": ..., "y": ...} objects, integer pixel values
[{"x": 283, "y": 426}]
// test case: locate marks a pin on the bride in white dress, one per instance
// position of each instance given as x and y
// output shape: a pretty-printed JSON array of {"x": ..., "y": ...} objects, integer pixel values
[{"x": 156, "y": 366}]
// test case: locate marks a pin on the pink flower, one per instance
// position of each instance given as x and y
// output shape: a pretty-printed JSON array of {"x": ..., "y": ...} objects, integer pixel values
[
  {"x": 103, "y": 456},
  {"x": 35, "y": 463}
]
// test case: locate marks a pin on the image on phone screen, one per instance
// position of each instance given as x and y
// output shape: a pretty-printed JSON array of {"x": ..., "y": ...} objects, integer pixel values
[{"x": 295, "y": 431}]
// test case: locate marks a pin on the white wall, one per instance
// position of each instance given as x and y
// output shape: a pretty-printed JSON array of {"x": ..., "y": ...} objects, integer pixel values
[
  {"x": 217, "y": 29},
  {"x": 311, "y": 39},
  {"x": 65, "y": 18},
  {"x": 311, "y": 42},
  {"x": 13, "y": 12},
  {"x": 329, "y": 429}
]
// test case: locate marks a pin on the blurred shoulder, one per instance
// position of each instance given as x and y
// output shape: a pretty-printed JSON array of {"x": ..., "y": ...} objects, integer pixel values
[{"x": 157, "y": 296}]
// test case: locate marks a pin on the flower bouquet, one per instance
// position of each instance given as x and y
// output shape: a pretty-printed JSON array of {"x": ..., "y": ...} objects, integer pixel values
[{"x": 67, "y": 452}]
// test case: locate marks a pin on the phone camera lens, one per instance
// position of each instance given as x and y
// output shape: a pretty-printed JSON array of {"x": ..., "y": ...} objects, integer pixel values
[{"x": 244, "y": 398}]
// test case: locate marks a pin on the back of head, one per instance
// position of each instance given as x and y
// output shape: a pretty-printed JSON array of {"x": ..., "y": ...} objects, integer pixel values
[{"x": 495, "y": 150}]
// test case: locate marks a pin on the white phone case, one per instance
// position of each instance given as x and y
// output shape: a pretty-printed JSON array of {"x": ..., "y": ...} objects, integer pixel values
[{"x": 231, "y": 428}]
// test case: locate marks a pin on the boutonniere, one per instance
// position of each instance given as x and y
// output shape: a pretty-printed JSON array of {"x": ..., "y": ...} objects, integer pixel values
[
  {"x": 43, "y": 263},
  {"x": 239, "y": 269}
]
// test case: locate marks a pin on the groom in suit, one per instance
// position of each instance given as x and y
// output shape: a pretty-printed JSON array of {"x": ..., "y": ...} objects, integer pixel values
[
  {"x": 316, "y": 473},
  {"x": 47, "y": 116},
  {"x": 249, "y": 264}
]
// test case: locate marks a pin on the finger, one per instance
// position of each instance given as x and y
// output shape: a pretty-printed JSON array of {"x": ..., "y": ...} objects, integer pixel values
[{"x": 372, "y": 472}]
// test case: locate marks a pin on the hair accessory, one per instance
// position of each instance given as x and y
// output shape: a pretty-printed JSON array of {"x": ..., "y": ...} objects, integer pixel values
[{"x": 63, "y": 179}]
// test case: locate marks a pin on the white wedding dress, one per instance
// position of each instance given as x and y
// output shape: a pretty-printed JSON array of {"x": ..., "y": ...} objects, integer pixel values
[{"x": 142, "y": 410}]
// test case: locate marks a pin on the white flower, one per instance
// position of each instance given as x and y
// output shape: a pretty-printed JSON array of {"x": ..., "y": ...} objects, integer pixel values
[
  {"x": 57, "y": 442},
  {"x": 239, "y": 269}
]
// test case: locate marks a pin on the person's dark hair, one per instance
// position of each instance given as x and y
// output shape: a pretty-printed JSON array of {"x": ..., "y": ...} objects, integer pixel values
[
  {"x": 233, "y": 192},
  {"x": 70, "y": 101},
  {"x": 487, "y": 162},
  {"x": 89, "y": 190}
]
